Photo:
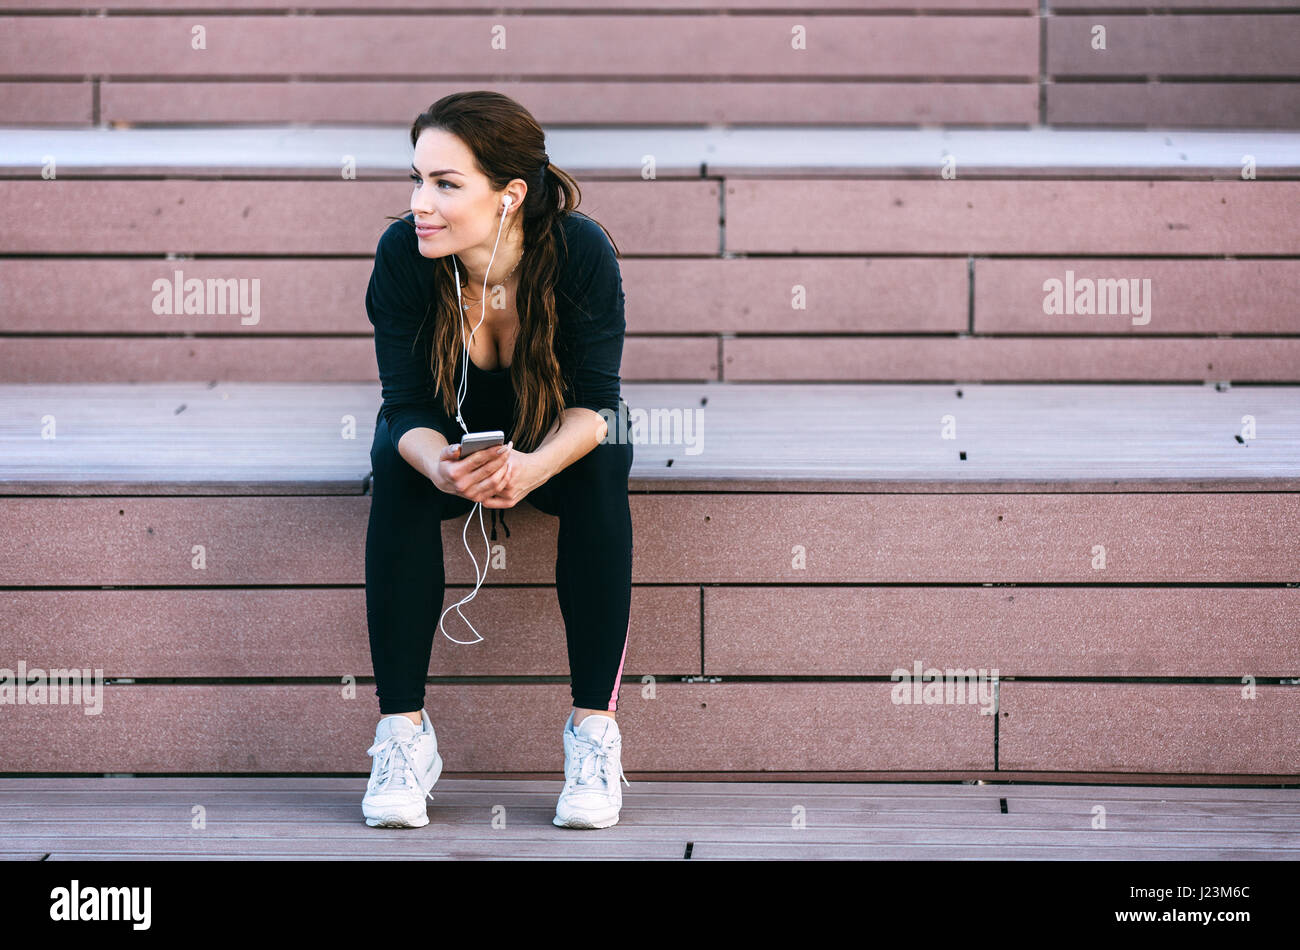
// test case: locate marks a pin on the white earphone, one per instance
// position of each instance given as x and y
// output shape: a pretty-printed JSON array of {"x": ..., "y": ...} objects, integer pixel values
[{"x": 460, "y": 395}]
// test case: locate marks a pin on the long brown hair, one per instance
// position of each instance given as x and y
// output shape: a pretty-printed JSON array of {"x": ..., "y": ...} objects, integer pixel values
[{"x": 507, "y": 143}]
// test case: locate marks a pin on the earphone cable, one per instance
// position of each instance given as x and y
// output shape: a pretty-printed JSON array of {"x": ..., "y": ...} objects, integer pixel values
[{"x": 461, "y": 390}]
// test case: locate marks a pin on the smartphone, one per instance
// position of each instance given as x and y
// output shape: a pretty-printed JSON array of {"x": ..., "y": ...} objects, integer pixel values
[{"x": 477, "y": 441}]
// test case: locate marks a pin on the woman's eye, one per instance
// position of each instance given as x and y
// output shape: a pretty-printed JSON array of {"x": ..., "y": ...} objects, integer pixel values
[{"x": 442, "y": 181}]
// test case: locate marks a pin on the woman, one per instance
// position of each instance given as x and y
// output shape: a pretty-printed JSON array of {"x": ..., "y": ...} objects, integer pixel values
[{"x": 496, "y": 305}]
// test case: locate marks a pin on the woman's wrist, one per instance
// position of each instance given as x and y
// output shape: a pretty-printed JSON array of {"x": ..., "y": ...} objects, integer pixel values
[
  {"x": 422, "y": 447},
  {"x": 543, "y": 461}
]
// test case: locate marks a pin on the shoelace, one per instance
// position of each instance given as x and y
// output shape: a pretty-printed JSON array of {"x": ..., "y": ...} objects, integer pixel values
[
  {"x": 386, "y": 751},
  {"x": 593, "y": 759}
]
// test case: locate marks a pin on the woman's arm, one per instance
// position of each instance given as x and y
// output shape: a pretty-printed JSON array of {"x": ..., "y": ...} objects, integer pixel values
[
  {"x": 580, "y": 430},
  {"x": 593, "y": 327},
  {"x": 592, "y": 335},
  {"x": 396, "y": 304},
  {"x": 422, "y": 448}
]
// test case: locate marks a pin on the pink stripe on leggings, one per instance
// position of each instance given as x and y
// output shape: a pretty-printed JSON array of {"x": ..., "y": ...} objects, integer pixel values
[{"x": 618, "y": 677}]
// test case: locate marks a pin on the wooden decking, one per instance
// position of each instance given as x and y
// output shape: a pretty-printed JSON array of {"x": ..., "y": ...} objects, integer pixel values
[
  {"x": 1207, "y": 63},
  {"x": 142, "y": 818},
  {"x": 915, "y": 554},
  {"x": 305, "y": 152},
  {"x": 233, "y": 438}
]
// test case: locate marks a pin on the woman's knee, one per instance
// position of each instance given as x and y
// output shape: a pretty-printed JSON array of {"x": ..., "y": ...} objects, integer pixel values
[
  {"x": 394, "y": 477},
  {"x": 605, "y": 466},
  {"x": 598, "y": 481},
  {"x": 383, "y": 454}
]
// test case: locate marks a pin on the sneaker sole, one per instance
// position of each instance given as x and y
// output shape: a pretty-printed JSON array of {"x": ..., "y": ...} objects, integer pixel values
[
  {"x": 576, "y": 822},
  {"x": 398, "y": 821}
]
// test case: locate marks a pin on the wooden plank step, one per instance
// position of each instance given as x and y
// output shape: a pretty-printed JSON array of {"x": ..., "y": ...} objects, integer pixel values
[
  {"x": 1071, "y": 6},
  {"x": 626, "y": 839},
  {"x": 455, "y": 820},
  {"x": 1171, "y": 812},
  {"x": 822, "y": 631},
  {"x": 124, "y": 360},
  {"x": 763, "y": 359},
  {"x": 838, "y": 631},
  {"x": 1168, "y": 727},
  {"x": 1193, "y": 45},
  {"x": 326, "y": 296},
  {"x": 278, "y": 7},
  {"x": 986, "y": 359},
  {"x": 991, "y": 777},
  {"x": 1108, "y": 218},
  {"x": 661, "y": 809},
  {"x": 61, "y": 103},
  {"x": 726, "y": 851},
  {"x": 298, "y": 438},
  {"x": 593, "y": 150},
  {"x": 314, "y": 632},
  {"x": 684, "y": 538},
  {"x": 871, "y": 799},
  {"x": 858, "y": 807},
  {"x": 262, "y": 217},
  {"x": 1194, "y": 296},
  {"x": 422, "y": 856},
  {"x": 712, "y": 851},
  {"x": 754, "y": 820},
  {"x": 527, "y": 828},
  {"x": 618, "y": 103},
  {"x": 1182, "y": 105},
  {"x": 696, "y": 793},
  {"x": 420, "y": 844},
  {"x": 686, "y": 726},
  {"x": 898, "y": 217},
  {"x": 733, "y": 46}
]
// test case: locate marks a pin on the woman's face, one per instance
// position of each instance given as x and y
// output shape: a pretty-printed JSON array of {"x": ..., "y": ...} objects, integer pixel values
[{"x": 452, "y": 197}]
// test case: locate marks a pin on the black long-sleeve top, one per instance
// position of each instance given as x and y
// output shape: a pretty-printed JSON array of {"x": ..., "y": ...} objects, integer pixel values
[{"x": 589, "y": 332}]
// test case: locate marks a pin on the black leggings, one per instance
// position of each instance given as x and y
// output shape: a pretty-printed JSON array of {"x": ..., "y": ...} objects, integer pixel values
[{"x": 405, "y": 580}]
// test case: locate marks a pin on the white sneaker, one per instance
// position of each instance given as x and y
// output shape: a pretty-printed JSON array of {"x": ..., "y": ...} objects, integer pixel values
[
  {"x": 406, "y": 765},
  {"x": 593, "y": 766}
]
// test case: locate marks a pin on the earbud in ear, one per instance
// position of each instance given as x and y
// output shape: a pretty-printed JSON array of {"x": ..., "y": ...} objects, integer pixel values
[{"x": 508, "y": 202}]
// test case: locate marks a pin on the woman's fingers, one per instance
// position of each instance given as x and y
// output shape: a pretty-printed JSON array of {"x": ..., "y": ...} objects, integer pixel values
[
  {"x": 500, "y": 479},
  {"x": 476, "y": 460},
  {"x": 485, "y": 479},
  {"x": 482, "y": 458}
]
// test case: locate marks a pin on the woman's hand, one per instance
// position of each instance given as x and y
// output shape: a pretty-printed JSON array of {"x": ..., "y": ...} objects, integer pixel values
[
  {"x": 523, "y": 472},
  {"x": 498, "y": 477},
  {"x": 477, "y": 476}
]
